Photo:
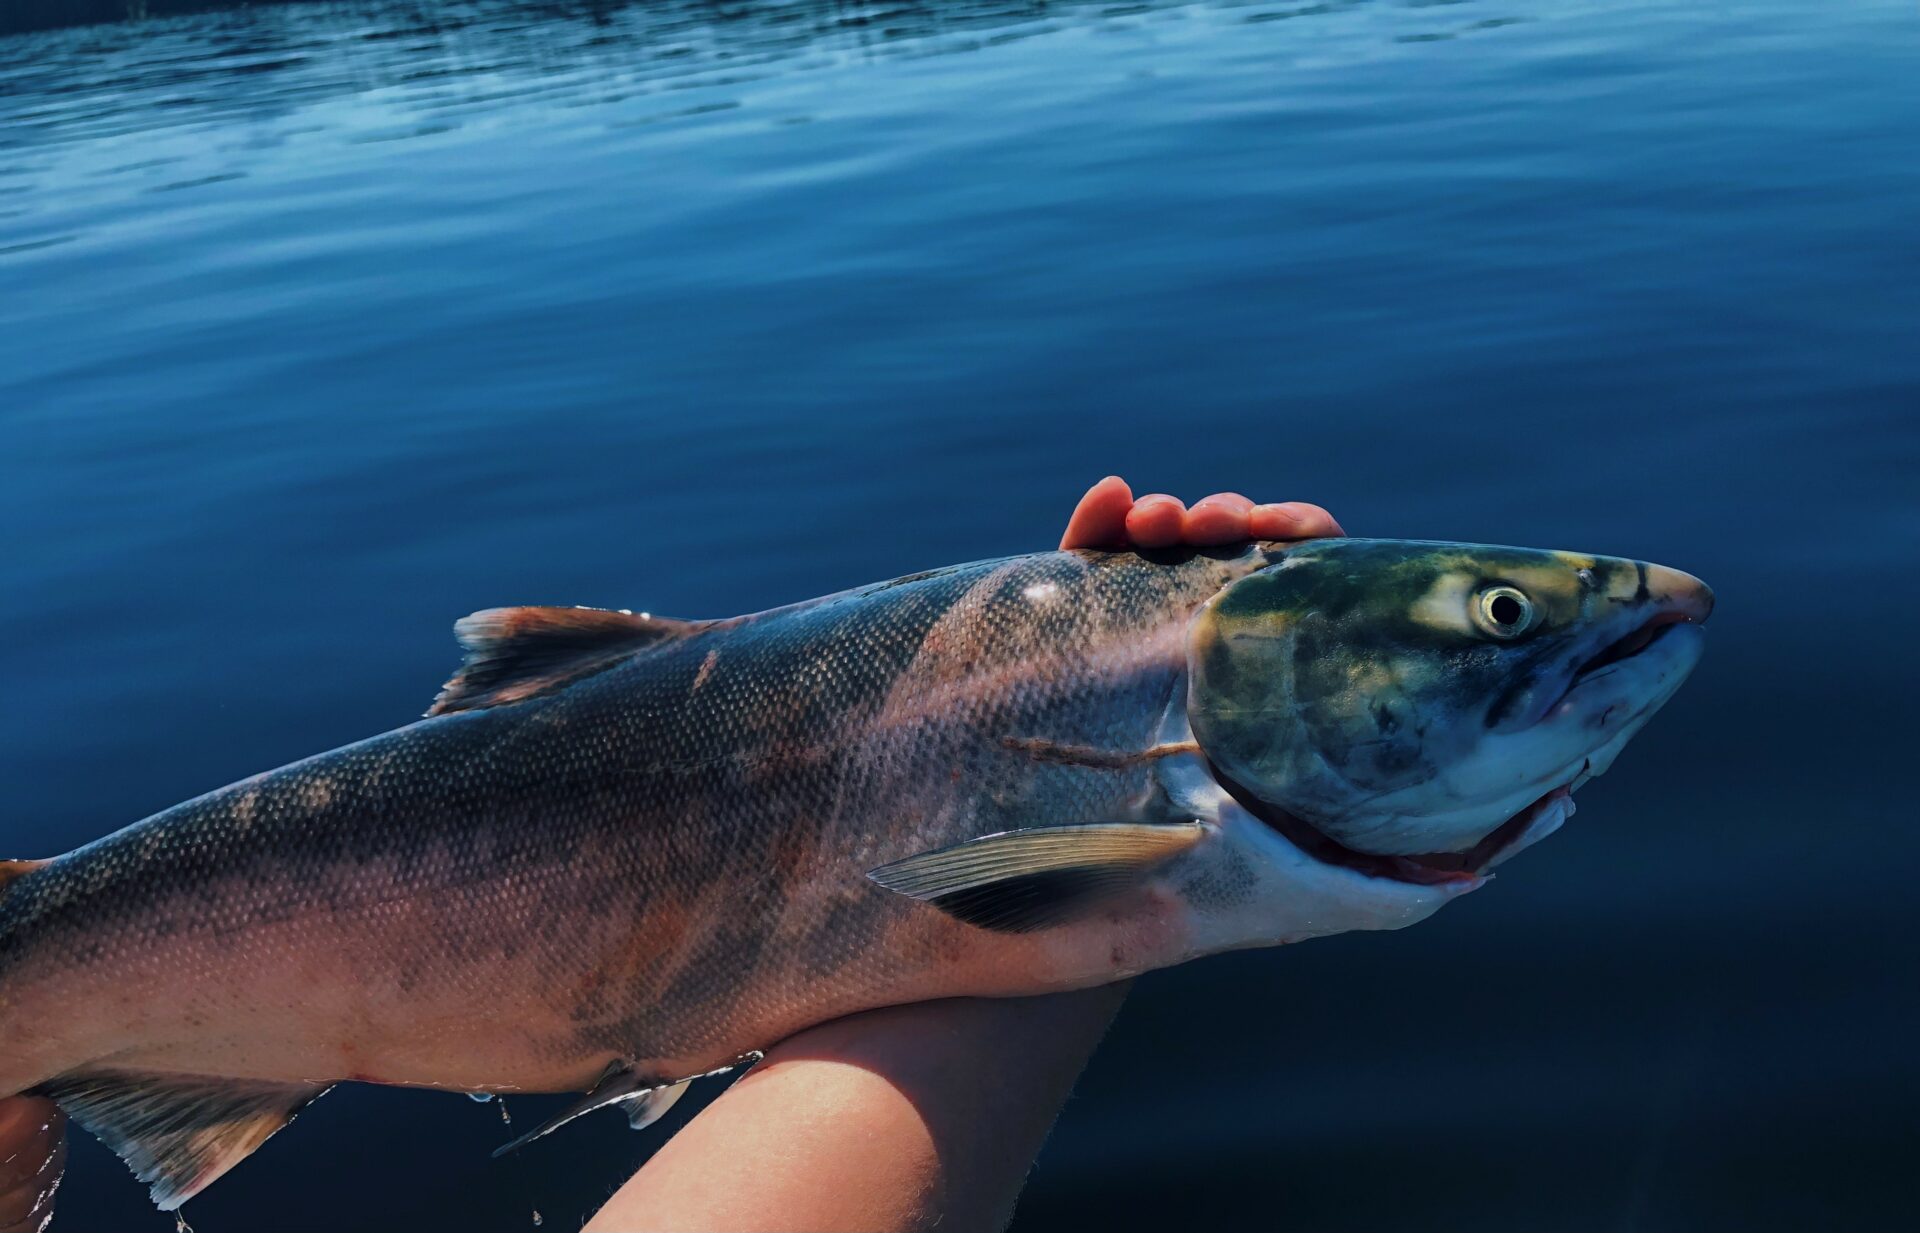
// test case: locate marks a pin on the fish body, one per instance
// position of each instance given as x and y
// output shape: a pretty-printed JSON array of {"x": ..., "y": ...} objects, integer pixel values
[{"x": 624, "y": 851}]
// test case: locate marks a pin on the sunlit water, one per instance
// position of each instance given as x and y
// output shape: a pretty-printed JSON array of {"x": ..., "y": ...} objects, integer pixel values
[{"x": 322, "y": 325}]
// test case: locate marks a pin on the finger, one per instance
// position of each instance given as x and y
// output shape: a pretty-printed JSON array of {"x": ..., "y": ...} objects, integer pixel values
[
  {"x": 1291, "y": 520},
  {"x": 28, "y": 1207},
  {"x": 1156, "y": 521},
  {"x": 33, "y": 1153},
  {"x": 1218, "y": 519},
  {"x": 30, "y": 1126},
  {"x": 1100, "y": 520}
]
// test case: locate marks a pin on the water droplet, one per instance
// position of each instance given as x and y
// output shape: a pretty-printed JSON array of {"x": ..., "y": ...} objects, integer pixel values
[{"x": 482, "y": 1097}]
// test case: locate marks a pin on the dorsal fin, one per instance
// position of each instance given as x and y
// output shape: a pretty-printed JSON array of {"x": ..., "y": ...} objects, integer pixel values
[{"x": 519, "y": 653}]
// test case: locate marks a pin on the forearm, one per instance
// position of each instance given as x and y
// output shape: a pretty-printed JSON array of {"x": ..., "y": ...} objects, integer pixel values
[{"x": 895, "y": 1119}]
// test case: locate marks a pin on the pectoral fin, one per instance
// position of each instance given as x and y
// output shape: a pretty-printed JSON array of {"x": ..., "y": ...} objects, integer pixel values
[
  {"x": 178, "y": 1133},
  {"x": 644, "y": 1101},
  {"x": 619, "y": 1085},
  {"x": 1019, "y": 881}
]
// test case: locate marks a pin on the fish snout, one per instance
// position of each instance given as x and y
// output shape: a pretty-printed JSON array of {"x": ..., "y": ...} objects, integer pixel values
[{"x": 1678, "y": 592}]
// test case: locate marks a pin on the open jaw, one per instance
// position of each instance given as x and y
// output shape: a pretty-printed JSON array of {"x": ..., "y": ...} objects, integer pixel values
[{"x": 1535, "y": 822}]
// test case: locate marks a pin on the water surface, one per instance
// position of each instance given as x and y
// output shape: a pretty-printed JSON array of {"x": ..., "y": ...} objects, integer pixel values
[{"x": 322, "y": 325}]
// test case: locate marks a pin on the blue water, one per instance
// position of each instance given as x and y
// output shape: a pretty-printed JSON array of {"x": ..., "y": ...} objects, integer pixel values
[{"x": 324, "y": 324}]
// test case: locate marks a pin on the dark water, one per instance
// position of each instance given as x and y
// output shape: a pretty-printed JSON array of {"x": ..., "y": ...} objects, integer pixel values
[{"x": 322, "y": 325}]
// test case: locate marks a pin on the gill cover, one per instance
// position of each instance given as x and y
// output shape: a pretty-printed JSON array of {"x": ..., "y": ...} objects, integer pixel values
[{"x": 1409, "y": 697}]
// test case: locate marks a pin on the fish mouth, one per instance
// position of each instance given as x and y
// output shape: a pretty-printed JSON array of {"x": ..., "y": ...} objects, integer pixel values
[
  {"x": 1415, "y": 869},
  {"x": 1629, "y": 645}
]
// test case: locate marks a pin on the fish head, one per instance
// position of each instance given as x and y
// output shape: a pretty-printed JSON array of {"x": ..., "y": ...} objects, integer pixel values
[{"x": 1405, "y": 699}]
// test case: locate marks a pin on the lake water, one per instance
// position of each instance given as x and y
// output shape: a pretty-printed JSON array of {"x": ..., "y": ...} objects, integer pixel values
[{"x": 322, "y": 325}]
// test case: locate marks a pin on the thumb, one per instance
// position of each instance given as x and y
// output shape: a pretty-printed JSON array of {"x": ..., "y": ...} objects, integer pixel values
[{"x": 33, "y": 1156}]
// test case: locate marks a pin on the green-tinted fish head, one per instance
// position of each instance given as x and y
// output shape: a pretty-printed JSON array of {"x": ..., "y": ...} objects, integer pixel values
[{"x": 1426, "y": 698}]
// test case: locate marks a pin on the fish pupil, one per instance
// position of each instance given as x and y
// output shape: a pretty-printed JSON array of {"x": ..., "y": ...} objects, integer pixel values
[{"x": 1505, "y": 610}]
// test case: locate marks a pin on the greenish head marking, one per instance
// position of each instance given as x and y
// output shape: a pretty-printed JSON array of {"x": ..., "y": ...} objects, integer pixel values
[{"x": 1409, "y": 697}]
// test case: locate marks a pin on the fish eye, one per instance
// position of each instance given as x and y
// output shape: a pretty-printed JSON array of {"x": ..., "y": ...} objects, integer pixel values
[{"x": 1503, "y": 612}]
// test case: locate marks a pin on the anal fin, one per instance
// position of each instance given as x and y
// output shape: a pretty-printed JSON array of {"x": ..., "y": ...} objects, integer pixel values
[
  {"x": 1019, "y": 881},
  {"x": 179, "y": 1133}
]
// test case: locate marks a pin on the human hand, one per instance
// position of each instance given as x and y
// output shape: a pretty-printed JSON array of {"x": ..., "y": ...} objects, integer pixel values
[
  {"x": 895, "y": 1118},
  {"x": 33, "y": 1154},
  {"x": 1109, "y": 517},
  {"x": 913, "y": 1116}
]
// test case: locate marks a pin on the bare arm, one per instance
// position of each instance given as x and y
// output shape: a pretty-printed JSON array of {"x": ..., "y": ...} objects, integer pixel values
[{"x": 896, "y": 1119}]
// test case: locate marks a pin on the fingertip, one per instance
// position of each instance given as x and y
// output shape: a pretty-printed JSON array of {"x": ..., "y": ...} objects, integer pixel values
[
  {"x": 1099, "y": 520},
  {"x": 1155, "y": 521},
  {"x": 1218, "y": 519},
  {"x": 1273, "y": 521},
  {"x": 1292, "y": 520},
  {"x": 1317, "y": 517}
]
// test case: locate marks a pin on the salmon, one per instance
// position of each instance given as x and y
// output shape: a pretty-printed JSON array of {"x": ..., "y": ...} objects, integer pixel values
[{"x": 623, "y": 851}]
